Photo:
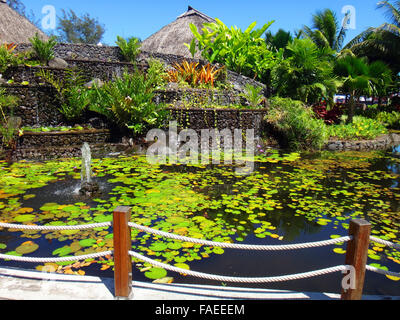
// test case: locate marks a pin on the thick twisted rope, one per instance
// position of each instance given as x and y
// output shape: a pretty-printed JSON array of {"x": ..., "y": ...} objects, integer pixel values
[
  {"x": 55, "y": 228},
  {"x": 241, "y": 246},
  {"x": 384, "y": 272},
  {"x": 386, "y": 243},
  {"x": 55, "y": 260},
  {"x": 239, "y": 279}
]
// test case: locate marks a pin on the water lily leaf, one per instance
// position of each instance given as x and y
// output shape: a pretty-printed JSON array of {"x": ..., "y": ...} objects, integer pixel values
[
  {"x": 87, "y": 242},
  {"x": 27, "y": 247},
  {"x": 218, "y": 250},
  {"x": 339, "y": 250},
  {"x": 158, "y": 246},
  {"x": 62, "y": 252},
  {"x": 156, "y": 273},
  {"x": 25, "y": 218}
]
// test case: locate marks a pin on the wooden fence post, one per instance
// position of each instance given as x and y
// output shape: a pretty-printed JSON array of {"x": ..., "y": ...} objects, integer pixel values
[
  {"x": 356, "y": 256},
  {"x": 122, "y": 259}
]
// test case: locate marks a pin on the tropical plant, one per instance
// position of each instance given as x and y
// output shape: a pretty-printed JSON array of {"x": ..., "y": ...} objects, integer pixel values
[
  {"x": 383, "y": 42},
  {"x": 9, "y": 127},
  {"x": 43, "y": 49},
  {"x": 279, "y": 40},
  {"x": 253, "y": 95},
  {"x": 307, "y": 74},
  {"x": 244, "y": 52},
  {"x": 8, "y": 57},
  {"x": 326, "y": 30},
  {"x": 297, "y": 124},
  {"x": 360, "y": 78},
  {"x": 156, "y": 73},
  {"x": 130, "y": 48},
  {"x": 73, "y": 95},
  {"x": 360, "y": 128},
  {"x": 128, "y": 101},
  {"x": 190, "y": 73}
]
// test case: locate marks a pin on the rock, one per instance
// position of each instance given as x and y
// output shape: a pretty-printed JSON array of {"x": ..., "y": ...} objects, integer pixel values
[
  {"x": 97, "y": 123},
  {"x": 95, "y": 82},
  {"x": 58, "y": 63}
]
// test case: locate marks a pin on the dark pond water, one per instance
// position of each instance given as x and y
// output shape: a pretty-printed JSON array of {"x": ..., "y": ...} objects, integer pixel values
[{"x": 289, "y": 198}]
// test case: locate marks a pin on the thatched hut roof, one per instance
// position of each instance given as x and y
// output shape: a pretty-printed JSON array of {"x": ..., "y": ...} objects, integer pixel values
[
  {"x": 14, "y": 27},
  {"x": 171, "y": 38}
]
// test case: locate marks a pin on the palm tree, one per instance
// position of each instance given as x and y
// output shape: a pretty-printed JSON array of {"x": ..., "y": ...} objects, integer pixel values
[
  {"x": 279, "y": 40},
  {"x": 326, "y": 30},
  {"x": 361, "y": 78},
  {"x": 383, "y": 42},
  {"x": 307, "y": 73}
]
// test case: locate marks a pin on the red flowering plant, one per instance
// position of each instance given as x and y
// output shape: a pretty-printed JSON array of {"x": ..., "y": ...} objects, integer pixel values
[{"x": 330, "y": 114}]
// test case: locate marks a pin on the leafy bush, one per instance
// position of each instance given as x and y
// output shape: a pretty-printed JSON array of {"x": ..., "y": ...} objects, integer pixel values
[
  {"x": 130, "y": 48},
  {"x": 390, "y": 120},
  {"x": 307, "y": 74},
  {"x": 331, "y": 115},
  {"x": 297, "y": 123},
  {"x": 156, "y": 73},
  {"x": 253, "y": 95},
  {"x": 8, "y": 57},
  {"x": 360, "y": 128},
  {"x": 244, "y": 52},
  {"x": 190, "y": 73},
  {"x": 74, "y": 97},
  {"x": 8, "y": 126},
  {"x": 127, "y": 101},
  {"x": 44, "y": 50}
]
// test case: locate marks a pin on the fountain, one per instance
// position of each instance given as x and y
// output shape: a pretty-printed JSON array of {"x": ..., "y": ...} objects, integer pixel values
[{"x": 88, "y": 186}]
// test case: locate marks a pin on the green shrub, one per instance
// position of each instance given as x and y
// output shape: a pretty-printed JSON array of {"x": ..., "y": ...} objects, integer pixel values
[
  {"x": 8, "y": 125},
  {"x": 128, "y": 101},
  {"x": 44, "y": 50},
  {"x": 297, "y": 124},
  {"x": 360, "y": 128},
  {"x": 253, "y": 96},
  {"x": 390, "y": 120},
  {"x": 73, "y": 95},
  {"x": 130, "y": 48},
  {"x": 156, "y": 73}
]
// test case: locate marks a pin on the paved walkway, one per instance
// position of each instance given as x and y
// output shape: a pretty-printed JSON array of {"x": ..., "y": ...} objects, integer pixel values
[{"x": 32, "y": 285}]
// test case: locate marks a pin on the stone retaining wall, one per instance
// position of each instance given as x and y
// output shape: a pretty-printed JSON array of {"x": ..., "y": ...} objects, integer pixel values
[
  {"x": 63, "y": 139},
  {"x": 380, "y": 143},
  {"x": 38, "y": 105},
  {"x": 198, "y": 119}
]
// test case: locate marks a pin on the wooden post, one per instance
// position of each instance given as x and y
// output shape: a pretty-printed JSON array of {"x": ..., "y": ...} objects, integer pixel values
[
  {"x": 122, "y": 259},
  {"x": 356, "y": 256}
]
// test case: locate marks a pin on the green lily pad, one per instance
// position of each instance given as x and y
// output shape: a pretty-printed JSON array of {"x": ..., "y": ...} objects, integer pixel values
[
  {"x": 25, "y": 218},
  {"x": 156, "y": 273},
  {"x": 87, "y": 242},
  {"x": 27, "y": 247}
]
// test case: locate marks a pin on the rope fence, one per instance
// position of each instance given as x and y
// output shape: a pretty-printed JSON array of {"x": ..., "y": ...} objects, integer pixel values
[{"x": 358, "y": 241}]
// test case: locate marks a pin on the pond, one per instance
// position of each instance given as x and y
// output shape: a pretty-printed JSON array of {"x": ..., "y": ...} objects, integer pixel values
[{"x": 289, "y": 198}]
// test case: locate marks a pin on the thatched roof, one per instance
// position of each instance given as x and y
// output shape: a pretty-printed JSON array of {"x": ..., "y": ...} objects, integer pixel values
[
  {"x": 14, "y": 27},
  {"x": 171, "y": 38}
]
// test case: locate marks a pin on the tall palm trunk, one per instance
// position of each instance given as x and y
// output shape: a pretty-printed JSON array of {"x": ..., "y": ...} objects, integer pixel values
[{"x": 351, "y": 107}]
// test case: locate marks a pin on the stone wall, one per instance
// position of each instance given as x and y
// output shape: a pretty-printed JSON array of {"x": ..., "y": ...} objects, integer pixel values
[
  {"x": 197, "y": 97},
  {"x": 62, "y": 139},
  {"x": 82, "y": 51},
  {"x": 38, "y": 105},
  {"x": 381, "y": 143},
  {"x": 198, "y": 119}
]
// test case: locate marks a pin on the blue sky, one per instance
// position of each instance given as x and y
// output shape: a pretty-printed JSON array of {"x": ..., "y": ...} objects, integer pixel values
[{"x": 143, "y": 18}]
